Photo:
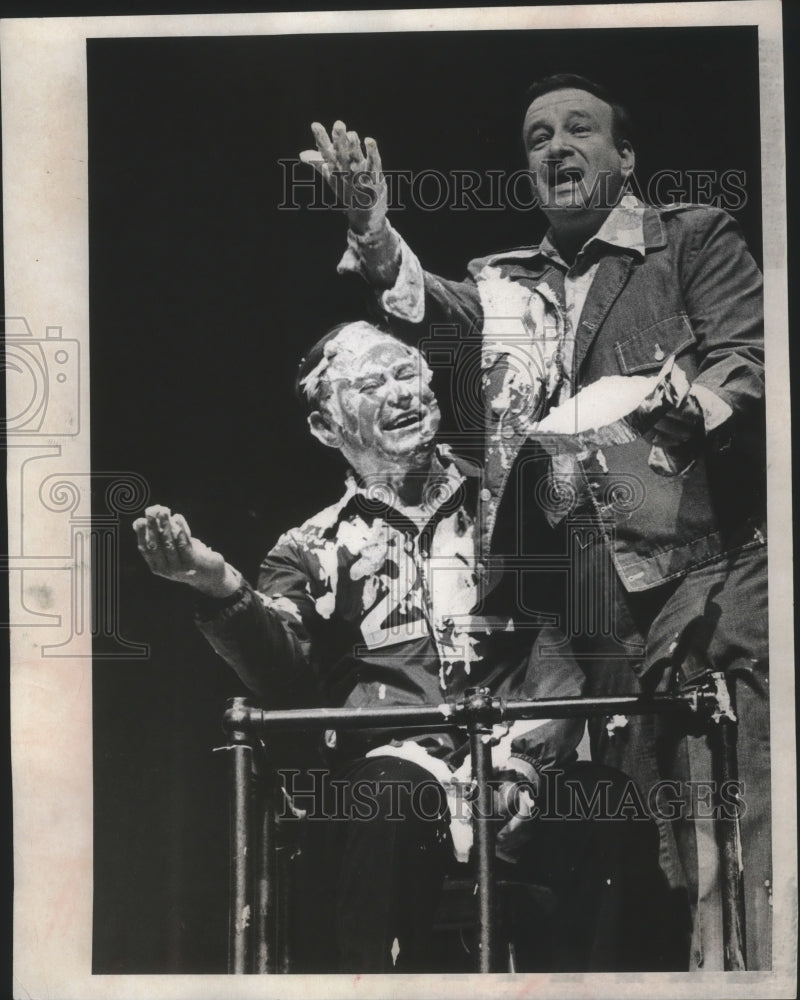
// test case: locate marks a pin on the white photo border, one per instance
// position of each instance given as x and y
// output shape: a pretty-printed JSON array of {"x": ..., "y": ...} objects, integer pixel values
[{"x": 46, "y": 237}]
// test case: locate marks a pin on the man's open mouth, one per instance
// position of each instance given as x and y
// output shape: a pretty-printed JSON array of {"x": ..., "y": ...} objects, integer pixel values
[
  {"x": 411, "y": 418},
  {"x": 563, "y": 175}
]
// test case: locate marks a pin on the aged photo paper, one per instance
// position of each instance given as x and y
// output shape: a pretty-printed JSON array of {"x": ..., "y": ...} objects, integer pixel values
[{"x": 169, "y": 258}]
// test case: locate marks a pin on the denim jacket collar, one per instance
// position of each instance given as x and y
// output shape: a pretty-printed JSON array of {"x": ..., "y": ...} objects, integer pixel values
[
  {"x": 537, "y": 261},
  {"x": 623, "y": 228}
]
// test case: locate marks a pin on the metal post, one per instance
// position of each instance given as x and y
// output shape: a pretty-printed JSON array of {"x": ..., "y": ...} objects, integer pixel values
[
  {"x": 733, "y": 925},
  {"x": 266, "y": 881},
  {"x": 726, "y": 775},
  {"x": 282, "y": 874},
  {"x": 479, "y": 704},
  {"x": 240, "y": 764}
]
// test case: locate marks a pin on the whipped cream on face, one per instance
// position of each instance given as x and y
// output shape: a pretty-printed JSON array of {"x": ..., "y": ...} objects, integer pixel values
[{"x": 343, "y": 353}]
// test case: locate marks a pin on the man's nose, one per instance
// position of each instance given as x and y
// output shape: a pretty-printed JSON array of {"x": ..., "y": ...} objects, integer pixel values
[
  {"x": 559, "y": 146},
  {"x": 399, "y": 390}
]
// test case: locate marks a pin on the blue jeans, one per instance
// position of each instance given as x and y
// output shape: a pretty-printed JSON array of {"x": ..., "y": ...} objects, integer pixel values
[{"x": 715, "y": 617}]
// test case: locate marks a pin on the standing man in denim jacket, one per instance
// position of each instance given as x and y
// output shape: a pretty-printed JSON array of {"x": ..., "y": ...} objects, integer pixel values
[{"x": 668, "y": 577}]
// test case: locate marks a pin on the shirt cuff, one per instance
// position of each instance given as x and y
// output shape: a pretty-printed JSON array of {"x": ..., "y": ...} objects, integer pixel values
[
  {"x": 208, "y": 608},
  {"x": 522, "y": 767},
  {"x": 406, "y": 298},
  {"x": 374, "y": 256},
  {"x": 715, "y": 410}
]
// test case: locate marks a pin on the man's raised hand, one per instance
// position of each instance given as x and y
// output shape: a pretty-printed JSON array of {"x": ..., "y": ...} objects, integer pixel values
[
  {"x": 354, "y": 174},
  {"x": 167, "y": 546}
]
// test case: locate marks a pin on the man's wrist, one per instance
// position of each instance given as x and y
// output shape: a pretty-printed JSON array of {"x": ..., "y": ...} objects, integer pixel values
[
  {"x": 222, "y": 588},
  {"x": 375, "y": 254},
  {"x": 372, "y": 234}
]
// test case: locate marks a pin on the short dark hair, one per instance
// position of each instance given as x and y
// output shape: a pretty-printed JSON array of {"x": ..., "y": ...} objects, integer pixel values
[
  {"x": 314, "y": 355},
  {"x": 621, "y": 125}
]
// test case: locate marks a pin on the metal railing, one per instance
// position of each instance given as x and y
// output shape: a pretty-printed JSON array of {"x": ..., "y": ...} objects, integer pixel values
[{"x": 258, "y": 865}]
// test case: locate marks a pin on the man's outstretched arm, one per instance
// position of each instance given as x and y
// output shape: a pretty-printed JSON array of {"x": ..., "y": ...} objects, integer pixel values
[
  {"x": 264, "y": 639},
  {"x": 375, "y": 250}
]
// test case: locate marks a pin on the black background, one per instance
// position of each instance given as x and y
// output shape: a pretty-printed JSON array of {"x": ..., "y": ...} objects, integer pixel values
[{"x": 204, "y": 295}]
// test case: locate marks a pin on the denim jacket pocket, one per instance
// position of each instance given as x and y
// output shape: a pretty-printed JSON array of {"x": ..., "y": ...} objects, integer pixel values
[{"x": 648, "y": 349}]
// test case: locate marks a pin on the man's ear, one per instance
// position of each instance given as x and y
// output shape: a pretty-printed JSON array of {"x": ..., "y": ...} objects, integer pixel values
[
  {"x": 323, "y": 431},
  {"x": 627, "y": 158}
]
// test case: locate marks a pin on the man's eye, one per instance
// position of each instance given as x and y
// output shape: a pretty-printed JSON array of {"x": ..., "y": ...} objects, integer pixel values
[
  {"x": 581, "y": 129},
  {"x": 537, "y": 140},
  {"x": 407, "y": 373},
  {"x": 370, "y": 386}
]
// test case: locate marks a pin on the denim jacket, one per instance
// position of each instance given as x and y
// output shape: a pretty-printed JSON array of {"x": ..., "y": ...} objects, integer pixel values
[{"x": 695, "y": 292}]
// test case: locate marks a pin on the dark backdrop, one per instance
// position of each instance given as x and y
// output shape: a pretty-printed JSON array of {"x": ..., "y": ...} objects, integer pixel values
[{"x": 203, "y": 295}]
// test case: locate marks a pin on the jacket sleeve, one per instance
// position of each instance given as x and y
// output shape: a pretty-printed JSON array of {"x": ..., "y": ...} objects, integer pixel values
[
  {"x": 722, "y": 291},
  {"x": 552, "y": 673},
  {"x": 266, "y": 633},
  {"x": 405, "y": 291}
]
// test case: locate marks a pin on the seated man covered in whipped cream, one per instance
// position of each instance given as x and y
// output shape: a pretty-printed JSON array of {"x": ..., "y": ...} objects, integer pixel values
[{"x": 372, "y": 603}]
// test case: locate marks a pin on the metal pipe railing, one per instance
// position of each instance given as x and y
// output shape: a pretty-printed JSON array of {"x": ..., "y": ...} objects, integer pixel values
[
  {"x": 727, "y": 830},
  {"x": 480, "y": 710},
  {"x": 477, "y": 712},
  {"x": 240, "y": 766},
  {"x": 260, "y": 721},
  {"x": 726, "y": 775},
  {"x": 266, "y": 880}
]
